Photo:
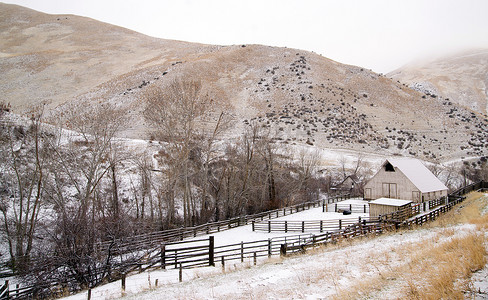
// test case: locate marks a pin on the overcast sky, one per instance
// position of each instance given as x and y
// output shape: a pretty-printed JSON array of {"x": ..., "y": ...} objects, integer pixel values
[{"x": 380, "y": 34}]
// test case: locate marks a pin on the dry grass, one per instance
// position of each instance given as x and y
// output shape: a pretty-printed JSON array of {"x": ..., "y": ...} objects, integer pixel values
[
  {"x": 438, "y": 269},
  {"x": 466, "y": 212}
]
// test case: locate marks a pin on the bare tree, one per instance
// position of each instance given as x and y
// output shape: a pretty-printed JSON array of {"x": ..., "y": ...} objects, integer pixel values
[
  {"x": 176, "y": 113},
  {"x": 25, "y": 154},
  {"x": 87, "y": 211}
]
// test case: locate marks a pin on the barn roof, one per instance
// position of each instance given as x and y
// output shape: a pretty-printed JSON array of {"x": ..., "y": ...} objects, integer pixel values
[
  {"x": 418, "y": 174},
  {"x": 390, "y": 202}
]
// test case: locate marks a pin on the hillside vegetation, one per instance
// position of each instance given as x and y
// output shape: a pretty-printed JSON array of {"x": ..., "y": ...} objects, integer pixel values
[{"x": 302, "y": 97}]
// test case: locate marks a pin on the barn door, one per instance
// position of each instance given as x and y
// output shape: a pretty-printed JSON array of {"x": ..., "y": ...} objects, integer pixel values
[
  {"x": 389, "y": 190},
  {"x": 386, "y": 190},
  {"x": 367, "y": 193},
  {"x": 393, "y": 190}
]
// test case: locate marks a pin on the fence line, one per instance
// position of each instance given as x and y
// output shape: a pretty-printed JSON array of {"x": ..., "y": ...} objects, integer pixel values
[
  {"x": 309, "y": 226},
  {"x": 353, "y": 208},
  {"x": 198, "y": 255},
  {"x": 151, "y": 240}
]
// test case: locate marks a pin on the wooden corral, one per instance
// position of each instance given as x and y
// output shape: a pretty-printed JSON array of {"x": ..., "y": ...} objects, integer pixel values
[
  {"x": 406, "y": 179},
  {"x": 386, "y": 206}
]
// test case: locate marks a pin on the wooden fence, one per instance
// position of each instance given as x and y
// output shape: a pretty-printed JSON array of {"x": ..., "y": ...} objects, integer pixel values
[
  {"x": 187, "y": 255},
  {"x": 310, "y": 226},
  {"x": 4, "y": 290},
  {"x": 340, "y": 207},
  {"x": 154, "y": 239},
  {"x": 207, "y": 254}
]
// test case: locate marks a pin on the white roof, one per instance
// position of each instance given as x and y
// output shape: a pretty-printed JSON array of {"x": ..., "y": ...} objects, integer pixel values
[
  {"x": 418, "y": 174},
  {"x": 390, "y": 202}
]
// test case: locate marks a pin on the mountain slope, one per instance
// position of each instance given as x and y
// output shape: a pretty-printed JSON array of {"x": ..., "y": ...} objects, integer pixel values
[
  {"x": 300, "y": 96},
  {"x": 462, "y": 78},
  {"x": 56, "y": 57}
]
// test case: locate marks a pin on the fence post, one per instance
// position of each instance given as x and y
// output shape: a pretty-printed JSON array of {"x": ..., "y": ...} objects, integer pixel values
[
  {"x": 283, "y": 249},
  {"x": 321, "y": 225},
  {"x": 176, "y": 259},
  {"x": 242, "y": 251},
  {"x": 211, "y": 245},
  {"x": 255, "y": 258},
  {"x": 364, "y": 208},
  {"x": 303, "y": 226},
  {"x": 180, "y": 273},
  {"x": 223, "y": 263},
  {"x": 286, "y": 226},
  {"x": 89, "y": 294},
  {"x": 336, "y": 207},
  {"x": 123, "y": 282},
  {"x": 253, "y": 225},
  {"x": 340, "y": 224},
  {"x": 323, "y": 206},
  {"x": 269, "y": 248},
  {"x": 163, "y": 256},
  {"x": 269, "y": 226}
]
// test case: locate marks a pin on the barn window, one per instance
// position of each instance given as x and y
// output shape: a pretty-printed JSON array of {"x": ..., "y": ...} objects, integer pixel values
[{"x": 389, "y": 168}]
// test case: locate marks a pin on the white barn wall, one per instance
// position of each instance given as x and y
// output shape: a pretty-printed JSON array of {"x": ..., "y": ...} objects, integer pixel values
[{"x": 404, "y": 187}]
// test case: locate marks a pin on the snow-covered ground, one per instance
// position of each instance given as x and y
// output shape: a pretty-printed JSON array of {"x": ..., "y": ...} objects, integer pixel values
[
  {"x": 140, "y": 282},
  {"x": 319, "y": 274},
  {"x": 316, "y": 275}
]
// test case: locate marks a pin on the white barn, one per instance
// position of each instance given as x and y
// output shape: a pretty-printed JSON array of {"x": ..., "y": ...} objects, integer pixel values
[{"x": 404, "y": 178}]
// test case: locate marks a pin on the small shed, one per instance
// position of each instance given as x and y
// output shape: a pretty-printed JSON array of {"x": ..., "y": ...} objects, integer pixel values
[
  {"x": 350, "y": 185},
  {"x": 386, "y": 206}
]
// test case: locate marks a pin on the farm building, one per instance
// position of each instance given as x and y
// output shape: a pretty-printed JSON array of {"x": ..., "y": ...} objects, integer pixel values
[
  {"x": 350, "y": 185},
  {"x": 404, "y": 178},
  {"x": 385, "y": 206}
]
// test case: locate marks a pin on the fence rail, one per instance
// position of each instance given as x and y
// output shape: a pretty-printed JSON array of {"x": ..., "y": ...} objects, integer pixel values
[
  {"x": 353, "y": 208},
  {"x": 309, "y": 226}
]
